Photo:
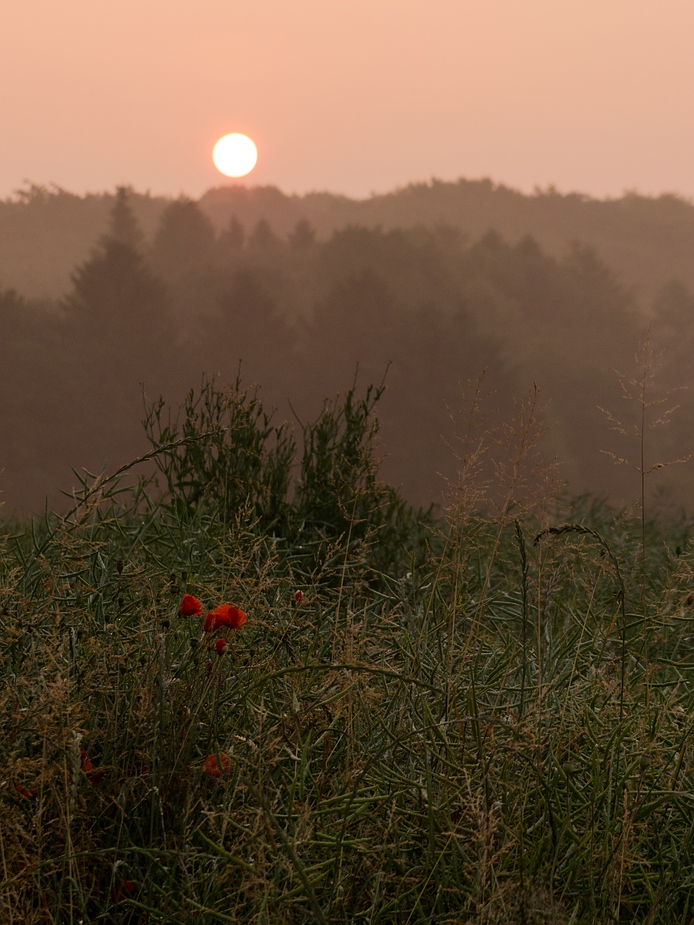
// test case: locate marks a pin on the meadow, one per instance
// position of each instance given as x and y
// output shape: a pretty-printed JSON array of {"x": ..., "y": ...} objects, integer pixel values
[{"x": 481, "y": 714}]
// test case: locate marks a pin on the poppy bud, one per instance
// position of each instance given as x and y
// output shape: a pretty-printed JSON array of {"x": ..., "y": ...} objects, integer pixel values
[
  {"x": 298, "y": 597},
  {"x": 220, "y": 645},
  {"x": 690, "y": 599},
  {"x": 119, "y": 566}
]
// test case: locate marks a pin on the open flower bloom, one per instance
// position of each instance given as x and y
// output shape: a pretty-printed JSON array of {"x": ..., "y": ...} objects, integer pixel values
[
  {"x": 220, "y": 646},
  {"x": 211, "y": 765},
  {"x": 190, "y": 606},
  {"x": 224, "y": 615}
]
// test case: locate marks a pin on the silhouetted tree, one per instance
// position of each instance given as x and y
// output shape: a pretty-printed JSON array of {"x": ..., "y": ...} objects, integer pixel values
[
  {"x": 33, "y": 410},
  {"x": 263, "y": 238},
  {"x": 123, "y": 226},
  {"x": 185, "y": 238},
  {"x": 232, "y": 239},
  {"x": 303, "y": 235},
  {"x": 354, "y": 325},
  {"x": 119, "y": 334},
  {"x": 248, "y": 329}
]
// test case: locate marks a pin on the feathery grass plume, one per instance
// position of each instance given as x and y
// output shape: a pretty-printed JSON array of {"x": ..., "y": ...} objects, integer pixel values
[{"x": 646, "y": 408}]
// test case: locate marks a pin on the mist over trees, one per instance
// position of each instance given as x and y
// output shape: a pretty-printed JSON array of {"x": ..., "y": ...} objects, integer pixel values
[
  {"x": 166, "y": 294},
  {"x": 646, "y": 241}
]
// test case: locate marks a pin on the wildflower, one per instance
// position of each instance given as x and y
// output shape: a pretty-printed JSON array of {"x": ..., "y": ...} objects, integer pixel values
[
  {"x": 220, "y": 645},
  {"x": 95, "y": 775},
  {"x": 85, "y": 763},
  {"x": 298, "y": 597},
  {"x": 24, "y": 792},
  {"x": 224, "y": 615},
  {"x": 690, "y": 599},
  {"x": 190, "y": 606},
  {"x": 211, "y": 765},
  {"x": 122, "y": 890}
]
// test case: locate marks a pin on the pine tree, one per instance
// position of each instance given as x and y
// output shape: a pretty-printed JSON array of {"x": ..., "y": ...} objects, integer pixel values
[
  {"x": 123, "y": 226},
  {"x": 303, "y": 235},
  {"x": 119, "y": 336},
  {"x": 185, "y": 238},
  {"x": 232, "y": 239},
  {"x": 263, "y": 238}
]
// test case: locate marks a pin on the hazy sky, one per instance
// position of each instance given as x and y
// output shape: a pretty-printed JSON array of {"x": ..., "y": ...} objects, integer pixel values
[{"x": 352, "y": 96}]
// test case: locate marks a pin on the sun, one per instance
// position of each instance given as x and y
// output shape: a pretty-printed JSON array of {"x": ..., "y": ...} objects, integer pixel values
[{"x": 235, "y": 155}]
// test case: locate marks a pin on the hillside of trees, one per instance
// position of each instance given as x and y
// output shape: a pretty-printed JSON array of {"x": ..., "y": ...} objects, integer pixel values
[
  {"x": 157, "y": 304},
  {"x": 646, "y": 241}
]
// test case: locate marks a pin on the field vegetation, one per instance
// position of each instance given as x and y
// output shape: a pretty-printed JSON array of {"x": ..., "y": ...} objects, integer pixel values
[{"x": 479, "y": 715}]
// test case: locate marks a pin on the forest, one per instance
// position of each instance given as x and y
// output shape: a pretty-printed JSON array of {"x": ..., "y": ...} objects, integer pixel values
[{"x": 173, "y": 292}]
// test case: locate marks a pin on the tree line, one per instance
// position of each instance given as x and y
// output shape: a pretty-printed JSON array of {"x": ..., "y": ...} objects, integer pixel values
[{"x": 302, "y": 318}]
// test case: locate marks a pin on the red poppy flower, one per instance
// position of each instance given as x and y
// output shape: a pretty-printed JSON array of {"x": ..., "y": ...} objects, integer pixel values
[
  {"x": 96, "y": 778},
  {"x": 298, "y": 597},
  {"x": 122, "y": 890},
  {"x": 23, "y": 792},
  {"x": 211, "y": 765},
  {"x": 95, "y": 775},
  {"x": 190, "y": 606},
  {"x": 220, "y": 645},
  {"x": 224, "y": 615},
  {"x": 85, "y": 763}
]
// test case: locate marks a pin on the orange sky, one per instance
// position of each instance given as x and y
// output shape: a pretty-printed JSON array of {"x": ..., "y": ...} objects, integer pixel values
[{"x": 353, "y": 96}]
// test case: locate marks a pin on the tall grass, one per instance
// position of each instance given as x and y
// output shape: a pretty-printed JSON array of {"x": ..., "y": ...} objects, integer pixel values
[{"x": 459, "y": 721}]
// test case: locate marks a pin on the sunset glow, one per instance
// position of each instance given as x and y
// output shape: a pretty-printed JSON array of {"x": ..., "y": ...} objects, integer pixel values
[{"x": 235, "y": 155}]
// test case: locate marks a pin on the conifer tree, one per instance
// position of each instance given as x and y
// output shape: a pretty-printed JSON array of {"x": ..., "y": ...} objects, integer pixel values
[
  {"x": 232, "y": 239},
  {"x": 185, "y": 238},
  {"x": 119, "y": 336},
  {"x": 263, "y": 238},
  {"x": 123, "y": 226},
  {"x": 303, "y": 235}
]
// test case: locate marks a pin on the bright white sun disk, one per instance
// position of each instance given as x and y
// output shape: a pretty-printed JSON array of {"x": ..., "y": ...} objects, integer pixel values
[{"x": 235, "y": 155}]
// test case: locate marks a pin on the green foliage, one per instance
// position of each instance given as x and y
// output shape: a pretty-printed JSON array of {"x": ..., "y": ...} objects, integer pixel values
[
  {"x": 542, "y": 773},
  {"x": 233, "y": 463}
]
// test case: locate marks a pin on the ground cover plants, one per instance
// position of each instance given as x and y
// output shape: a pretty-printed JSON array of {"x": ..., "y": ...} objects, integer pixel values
[{"x": 253, "y": 685}]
